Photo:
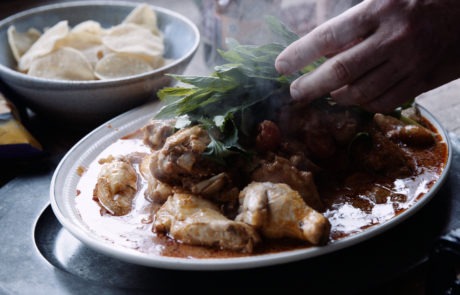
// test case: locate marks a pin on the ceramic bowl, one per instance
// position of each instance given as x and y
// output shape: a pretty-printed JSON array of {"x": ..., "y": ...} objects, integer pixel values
[{"x": 95, "y": 101}]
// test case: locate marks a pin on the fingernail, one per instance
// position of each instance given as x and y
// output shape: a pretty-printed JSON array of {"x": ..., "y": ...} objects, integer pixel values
[{"x": 282, "y": 66}]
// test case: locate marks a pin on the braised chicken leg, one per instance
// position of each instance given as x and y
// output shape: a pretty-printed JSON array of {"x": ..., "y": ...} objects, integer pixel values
[
  {"x": 116, "y": 186},
  {"x": 180, "y": 157},
  {"x": 278, "y": 211},
  {"x": 193, "y": 220}
]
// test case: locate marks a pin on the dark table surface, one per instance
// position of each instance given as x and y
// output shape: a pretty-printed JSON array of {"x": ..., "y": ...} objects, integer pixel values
[{"x": 38, "y": 256}]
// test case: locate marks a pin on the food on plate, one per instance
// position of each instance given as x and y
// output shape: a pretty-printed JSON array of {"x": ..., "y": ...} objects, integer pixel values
[
  {"x": 194, "y": 220},
  {"x": 278, "y": 211},
  {"x": 230, "y": 167},
  {"x": 90, "y": 52},
  {"x": 116, "y": 186}
]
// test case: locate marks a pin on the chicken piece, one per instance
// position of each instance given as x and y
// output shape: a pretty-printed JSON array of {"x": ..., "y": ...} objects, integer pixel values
[
  {"x": 322, "y": 127},
  {"x": 157, "y": 192},
  {"x": 180, "y": 158},
  {"x": 395, "y": 129},
  {"x": 116, "y": 186},
  {"x": 193, "y": 220},
  {"x": 280, "y": 170},
  {"x": 218, "y": 188},
  {"x": 268, "y": 136},
  {"x": 383, "y": 156},
  {"x": 298, "y": 156},
  {"x": 157, "y": 131},
  {"x": 278, "y": 211},
  {"x": 211, "y": 185}
]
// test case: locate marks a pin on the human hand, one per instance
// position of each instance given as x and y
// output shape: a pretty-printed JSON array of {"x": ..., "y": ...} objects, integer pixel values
[{"x": 382, "y": 53}]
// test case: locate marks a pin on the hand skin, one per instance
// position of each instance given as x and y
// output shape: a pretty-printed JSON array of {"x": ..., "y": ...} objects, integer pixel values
[{"x": 381, "y": 53}]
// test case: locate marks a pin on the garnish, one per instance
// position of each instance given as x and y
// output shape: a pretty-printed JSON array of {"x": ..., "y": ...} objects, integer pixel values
[{"x": 236, "y": 96}]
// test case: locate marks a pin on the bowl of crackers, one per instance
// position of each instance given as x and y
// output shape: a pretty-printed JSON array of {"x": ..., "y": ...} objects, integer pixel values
[{"x": 86, "y": 62}]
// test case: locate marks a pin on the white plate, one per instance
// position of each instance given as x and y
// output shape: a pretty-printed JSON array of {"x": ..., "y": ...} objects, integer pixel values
[{"x": 65, "y": 179}]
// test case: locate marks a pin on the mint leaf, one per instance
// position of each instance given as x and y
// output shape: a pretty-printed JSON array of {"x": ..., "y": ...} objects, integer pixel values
[{"x": 238, "y": 95}]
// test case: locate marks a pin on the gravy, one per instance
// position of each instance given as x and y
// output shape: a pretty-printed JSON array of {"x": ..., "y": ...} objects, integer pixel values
[{"x": 348, "y": 204}]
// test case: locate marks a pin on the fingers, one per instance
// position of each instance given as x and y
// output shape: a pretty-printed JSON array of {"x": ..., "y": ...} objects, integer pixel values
[
  {"x": 340, "y": 70},
  {"x": 397, "y": 95},
  {"x": 326, "y": 39},
  {"x": 373, "y": 84}
]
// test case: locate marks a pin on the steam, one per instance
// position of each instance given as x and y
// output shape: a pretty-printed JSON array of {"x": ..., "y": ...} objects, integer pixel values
[{"x": 243, "y": 20}]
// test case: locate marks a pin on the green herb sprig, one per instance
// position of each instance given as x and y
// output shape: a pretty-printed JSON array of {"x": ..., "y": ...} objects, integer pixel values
[{"x": 230, "y": 101}]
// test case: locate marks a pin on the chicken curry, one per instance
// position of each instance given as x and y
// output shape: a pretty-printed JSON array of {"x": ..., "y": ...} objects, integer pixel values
[
  {"x": 315, "y": 176},
  {"x": 230, "y": 166}
]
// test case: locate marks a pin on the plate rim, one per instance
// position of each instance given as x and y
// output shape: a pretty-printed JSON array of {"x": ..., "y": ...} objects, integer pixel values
[{"x": 136, "y": 118}]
